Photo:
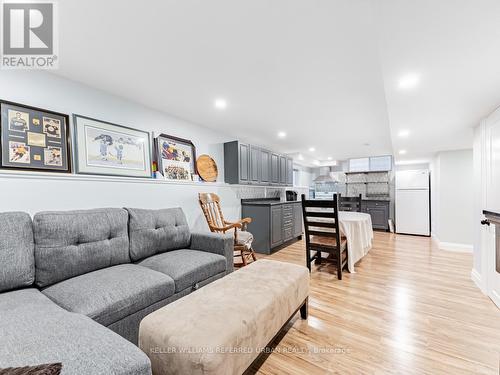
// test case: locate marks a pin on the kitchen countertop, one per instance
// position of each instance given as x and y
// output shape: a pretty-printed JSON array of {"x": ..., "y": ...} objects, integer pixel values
[
  {"x": 273, "y": 202},
  {"x": 265, "y": 202}
]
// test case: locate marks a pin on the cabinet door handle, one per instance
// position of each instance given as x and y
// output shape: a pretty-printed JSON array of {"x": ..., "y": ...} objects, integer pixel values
[{"x": 485, "y": 222}]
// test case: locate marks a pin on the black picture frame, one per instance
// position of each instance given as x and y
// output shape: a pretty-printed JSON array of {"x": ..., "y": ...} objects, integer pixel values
[
  {"x": 53, "y": 154},
  {"x": 177, "y": 140}
]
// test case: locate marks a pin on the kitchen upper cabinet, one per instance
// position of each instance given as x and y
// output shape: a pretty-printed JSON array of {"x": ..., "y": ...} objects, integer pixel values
[
  {"x": 373, "y": 164},
  {"x": 265, "y": 162},
  {"x": 380, "y": 163},
  {"x": 289, "y": 171},
  {"x": 283, "y": 176},
  {"x": 244, "y": 162},
  {"x": 275, "y": 168},
  {"x": 255, "y": 165},
  {"x": 248, "y": 164}
]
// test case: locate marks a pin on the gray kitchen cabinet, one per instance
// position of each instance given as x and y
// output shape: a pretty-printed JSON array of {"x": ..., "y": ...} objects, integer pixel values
[
  {"x": 265, "y": 162},
  {"x": 275, "y": 169},
  {"x": 244, "y": 165},
  {"x": 379, "y": 212},
  {"x": 274, "y": 223},
  {"x": 255, "y": 165},
  {"x": 289, "y": 171},
  {"x": 283, "y": 175},
  {"x": 287, "y": 222},
  {"x": 248, "y": 164},
  {"x": 297, "y": 219}
]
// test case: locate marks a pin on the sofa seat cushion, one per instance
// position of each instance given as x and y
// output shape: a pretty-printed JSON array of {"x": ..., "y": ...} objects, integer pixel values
[
  {"x": 111, "y": 294},
  {"x": 17, "y": 257},
  {"x": 34, "y": 330},
  {"x": 186, "y": 267}
]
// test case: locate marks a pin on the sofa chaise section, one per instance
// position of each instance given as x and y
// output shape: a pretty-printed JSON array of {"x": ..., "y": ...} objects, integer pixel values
[{"x": 34, "y": 331}]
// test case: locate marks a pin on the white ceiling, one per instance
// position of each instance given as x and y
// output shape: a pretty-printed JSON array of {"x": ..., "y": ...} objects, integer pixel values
[{"x": 324, "y": 71}]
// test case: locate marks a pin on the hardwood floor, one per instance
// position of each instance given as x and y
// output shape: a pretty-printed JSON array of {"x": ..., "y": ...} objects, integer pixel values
[{"x": 410, "y": 308}]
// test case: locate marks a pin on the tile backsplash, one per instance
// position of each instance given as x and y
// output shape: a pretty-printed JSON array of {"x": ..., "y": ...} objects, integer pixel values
[{"x": 255, "y": 192}]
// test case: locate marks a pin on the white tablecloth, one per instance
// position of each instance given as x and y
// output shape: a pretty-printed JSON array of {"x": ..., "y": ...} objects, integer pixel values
[{"x": 357, "y": 228}]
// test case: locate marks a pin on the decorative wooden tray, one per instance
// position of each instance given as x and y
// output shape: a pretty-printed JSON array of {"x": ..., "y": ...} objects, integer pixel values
[{"x": 207, "y": 168}]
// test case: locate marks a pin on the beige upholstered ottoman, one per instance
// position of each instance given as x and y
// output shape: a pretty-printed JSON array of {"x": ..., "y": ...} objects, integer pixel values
[{"x": 222, "y": 327}]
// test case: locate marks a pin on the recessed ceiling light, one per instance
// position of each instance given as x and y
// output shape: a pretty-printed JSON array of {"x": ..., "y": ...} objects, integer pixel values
[
  {"x": 329, "y": 158},
  {"x": 220, "y": 103},
  {"x": 281, "y": 134},
  {"x": 402, "y": 152},
  {"x": 403, "y": 133},
  {"x": 409, "y": 81},
  {"x": 312, "y": 149}
]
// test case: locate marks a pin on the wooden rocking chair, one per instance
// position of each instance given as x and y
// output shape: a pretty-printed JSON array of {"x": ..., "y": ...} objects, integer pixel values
[{"x": 210, "y": 205}]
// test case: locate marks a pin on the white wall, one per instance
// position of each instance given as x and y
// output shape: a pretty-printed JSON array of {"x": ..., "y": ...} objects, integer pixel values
[
  {"x": 435, "y": 194},
  {"x": 304, "y": 176},
  {"x": 452, "y": 199},
  {"x": 36, "y": 192}
]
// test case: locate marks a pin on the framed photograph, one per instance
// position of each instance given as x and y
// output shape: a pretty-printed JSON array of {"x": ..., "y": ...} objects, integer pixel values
[
  {"x": 109, "y": 149},
  {"x": 176, "y": 157},
  {"x": 29, "y": 137}
]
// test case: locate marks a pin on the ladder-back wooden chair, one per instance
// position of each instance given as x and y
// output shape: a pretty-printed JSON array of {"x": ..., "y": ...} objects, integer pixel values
[
  {"x": 321, "y": 224},
  {"x": 350, "y": 203},
  {"x": 210, "y": 205}
]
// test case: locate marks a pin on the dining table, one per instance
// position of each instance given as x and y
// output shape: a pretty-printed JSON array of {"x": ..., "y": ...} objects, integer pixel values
[{"x": 357, "y": 228}]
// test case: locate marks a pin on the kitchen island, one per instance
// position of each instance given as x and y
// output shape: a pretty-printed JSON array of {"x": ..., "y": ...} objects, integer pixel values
[{"x": 275, "y": 222}]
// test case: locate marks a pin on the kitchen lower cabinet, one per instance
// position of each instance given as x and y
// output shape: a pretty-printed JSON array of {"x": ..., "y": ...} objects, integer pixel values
[
  {"x": 274, "y": 223},
  {"x": 379, "y": 211}
]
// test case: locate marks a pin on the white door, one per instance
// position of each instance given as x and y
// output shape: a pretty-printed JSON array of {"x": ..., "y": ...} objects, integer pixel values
[
  {"x": 412, "y": 212},
  {"x": 492, "y": 165},
  {"x": 414, "y": 179}
]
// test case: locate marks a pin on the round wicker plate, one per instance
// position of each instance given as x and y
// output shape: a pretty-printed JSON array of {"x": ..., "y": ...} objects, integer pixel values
[{"x": 207, "y": 169}]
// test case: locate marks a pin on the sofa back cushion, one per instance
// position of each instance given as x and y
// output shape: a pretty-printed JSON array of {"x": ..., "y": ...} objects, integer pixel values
[
  {"x": 72, "y": 243},
  {"x": 17, "y": 260},
  {"x": 157, "y": 231}
]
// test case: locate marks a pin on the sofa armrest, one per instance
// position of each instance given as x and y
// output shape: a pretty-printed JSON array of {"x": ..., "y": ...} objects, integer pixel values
[{"x": 222, "y": 244}]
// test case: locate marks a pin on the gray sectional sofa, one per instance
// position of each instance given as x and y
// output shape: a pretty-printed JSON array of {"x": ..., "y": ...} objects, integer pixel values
[{"x": 75, "y": 285}]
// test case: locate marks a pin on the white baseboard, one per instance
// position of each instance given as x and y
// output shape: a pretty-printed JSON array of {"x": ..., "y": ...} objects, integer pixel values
[
  {"x": 458, "y": 247},
  {"x": 495, "y": 298},
  {"x": 476, "y": 277}
]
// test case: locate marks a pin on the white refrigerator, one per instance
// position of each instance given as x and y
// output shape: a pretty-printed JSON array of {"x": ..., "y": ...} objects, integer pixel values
[{"x": 413, "y": 202}]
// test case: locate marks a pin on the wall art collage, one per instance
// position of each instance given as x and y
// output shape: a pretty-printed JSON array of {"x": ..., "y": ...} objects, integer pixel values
[{"x": 39, "y": 140}]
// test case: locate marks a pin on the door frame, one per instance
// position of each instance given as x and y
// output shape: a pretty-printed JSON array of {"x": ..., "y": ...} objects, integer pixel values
[{"x": 488, "y": 233}]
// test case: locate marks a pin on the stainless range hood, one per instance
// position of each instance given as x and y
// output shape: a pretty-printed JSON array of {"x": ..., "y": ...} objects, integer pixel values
[{"x": 325, "y": 176}]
